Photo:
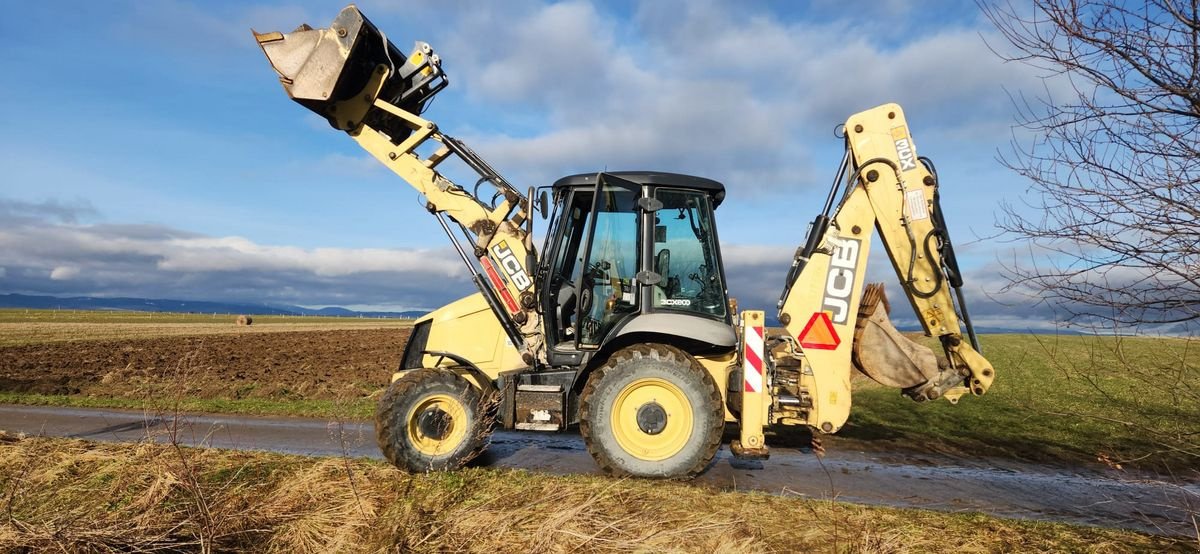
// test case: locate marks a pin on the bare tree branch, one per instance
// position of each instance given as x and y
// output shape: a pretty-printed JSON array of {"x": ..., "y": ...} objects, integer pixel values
[{"x": 1113, "y": 204}]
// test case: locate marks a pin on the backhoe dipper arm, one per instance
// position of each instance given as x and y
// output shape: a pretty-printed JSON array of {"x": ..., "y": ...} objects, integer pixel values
[
  {"x": 835, "y": 322},
  {"x": 350, "y": 74}
]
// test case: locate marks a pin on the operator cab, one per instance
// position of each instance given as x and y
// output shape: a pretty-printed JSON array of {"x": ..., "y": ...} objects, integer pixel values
[{"x": 630, "y": 254}]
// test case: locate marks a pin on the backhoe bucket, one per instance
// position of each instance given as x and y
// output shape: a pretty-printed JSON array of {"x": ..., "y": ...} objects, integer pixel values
[
  {"x": 321, "y": 67},
  {"x": 887, "y": 356}
]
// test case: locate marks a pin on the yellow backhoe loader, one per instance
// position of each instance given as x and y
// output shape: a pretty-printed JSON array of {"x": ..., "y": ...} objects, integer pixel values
[{"x": 621, "y": 323}]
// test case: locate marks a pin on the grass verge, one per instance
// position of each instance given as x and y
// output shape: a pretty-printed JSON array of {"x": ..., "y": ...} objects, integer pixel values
[
  {"x": 359, "y": 408},
  {"x": 76, "y": 496},
  {"x": 1055, "y": 399}
]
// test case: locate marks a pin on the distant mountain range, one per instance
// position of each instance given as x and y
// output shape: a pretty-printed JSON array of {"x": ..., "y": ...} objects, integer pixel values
[
  {"x": 190, "y": 306},
  {"x": 185, "y": 306},
  {"x": 911, "y": 326}
]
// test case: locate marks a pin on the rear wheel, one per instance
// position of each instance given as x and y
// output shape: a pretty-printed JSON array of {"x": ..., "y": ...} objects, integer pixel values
[
  {"x": 431, "y": 419},
  {"x": 652, "y": 411}
]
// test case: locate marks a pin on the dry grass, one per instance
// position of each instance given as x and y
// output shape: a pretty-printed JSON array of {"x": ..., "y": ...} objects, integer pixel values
[
  {"x": 77, "y": 496},
  {"x": 22, "y": 327}
]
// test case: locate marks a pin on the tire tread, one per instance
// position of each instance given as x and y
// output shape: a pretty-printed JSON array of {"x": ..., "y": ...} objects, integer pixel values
[
  {"x": 410, "y": 385},
  {"x": 667, "y": 354}
]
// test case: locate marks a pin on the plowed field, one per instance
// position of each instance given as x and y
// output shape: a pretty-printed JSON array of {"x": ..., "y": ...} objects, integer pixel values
[{"x": 310, "y": 365}]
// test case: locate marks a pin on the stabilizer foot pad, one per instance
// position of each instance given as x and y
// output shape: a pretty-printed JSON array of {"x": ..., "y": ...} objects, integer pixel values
[{"x": 760, "y": 453}]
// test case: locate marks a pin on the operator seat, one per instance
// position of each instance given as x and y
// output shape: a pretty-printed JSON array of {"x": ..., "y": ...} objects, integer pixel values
[{"x": 566, "y": 308}]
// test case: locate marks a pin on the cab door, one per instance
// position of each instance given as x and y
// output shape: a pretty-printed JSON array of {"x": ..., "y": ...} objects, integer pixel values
[{"x": 607, "y": 281}]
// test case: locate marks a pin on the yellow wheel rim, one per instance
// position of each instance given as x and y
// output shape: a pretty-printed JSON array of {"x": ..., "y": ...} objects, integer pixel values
[
  {"x": 661, "y": 397},
  {"x": 446, "y": 416}
]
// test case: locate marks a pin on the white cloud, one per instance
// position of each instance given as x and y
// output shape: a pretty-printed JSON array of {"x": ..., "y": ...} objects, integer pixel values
[
  {"x": 559, "y": 51},
  {"x": 64, "y": 273},
  {"x": 744, "y": 255},
  {"x": 236, "y": 254},
  {"x": 47, "y": 257},
  {"x": 41, "y": 256},
  {"x": 57, "y": 210},
  {"x": 715, "y": 89}
]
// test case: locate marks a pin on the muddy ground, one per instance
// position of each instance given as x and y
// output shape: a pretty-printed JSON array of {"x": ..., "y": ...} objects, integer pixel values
[{"x": 316, "y": 365}]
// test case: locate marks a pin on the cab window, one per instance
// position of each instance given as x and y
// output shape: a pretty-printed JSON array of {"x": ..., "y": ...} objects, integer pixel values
[
  {"x": 685, "y": 255},
  {"x": 608, "y": 291}
]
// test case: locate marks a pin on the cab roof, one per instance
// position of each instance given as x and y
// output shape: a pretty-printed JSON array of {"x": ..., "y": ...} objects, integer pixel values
[{"x": 653, "y": 178}]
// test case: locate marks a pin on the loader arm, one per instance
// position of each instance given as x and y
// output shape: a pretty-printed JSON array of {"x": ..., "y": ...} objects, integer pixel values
[
  {"x": 833, "y": 323},
  {"x": 354, "y": 77}
]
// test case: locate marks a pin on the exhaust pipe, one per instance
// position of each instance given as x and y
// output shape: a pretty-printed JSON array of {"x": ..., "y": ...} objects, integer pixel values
[{"x": 320, "y": 68}]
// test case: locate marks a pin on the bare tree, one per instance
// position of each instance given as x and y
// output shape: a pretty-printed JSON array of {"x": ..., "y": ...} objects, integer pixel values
[
  {"x": 1111, "y": 151},
  {"x": 1113, "y": 210}
]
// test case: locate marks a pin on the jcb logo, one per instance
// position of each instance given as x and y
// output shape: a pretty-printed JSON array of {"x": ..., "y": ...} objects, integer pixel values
[
  {"x": 839, "y": 285},
  {"x": 904, "y": 149},
  {"x": 512, "y": 266}
]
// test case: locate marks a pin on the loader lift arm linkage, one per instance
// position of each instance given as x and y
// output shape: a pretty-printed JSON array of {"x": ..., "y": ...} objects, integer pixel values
[{"x": 333, "y": 72}]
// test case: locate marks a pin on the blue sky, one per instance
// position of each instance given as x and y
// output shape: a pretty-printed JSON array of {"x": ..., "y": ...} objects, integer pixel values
[{"x": 148, "y": 149}]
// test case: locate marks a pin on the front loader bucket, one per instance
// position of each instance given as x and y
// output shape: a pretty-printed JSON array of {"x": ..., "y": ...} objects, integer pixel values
[
  {"x": 887, "y": 356},
  {"x": 320, "y": 68}
]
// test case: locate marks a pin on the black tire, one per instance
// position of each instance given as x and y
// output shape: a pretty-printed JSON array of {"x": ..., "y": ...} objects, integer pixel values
[
  {"x": 630, "y": 384},
  {"x": 431, "y": 420}
]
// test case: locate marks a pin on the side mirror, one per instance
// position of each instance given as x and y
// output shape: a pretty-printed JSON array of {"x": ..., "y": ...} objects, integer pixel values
[{"x": 543, "y": 204}]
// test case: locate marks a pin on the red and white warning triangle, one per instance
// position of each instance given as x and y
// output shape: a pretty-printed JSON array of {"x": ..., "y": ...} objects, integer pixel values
[{"x": 819, "y": 333}]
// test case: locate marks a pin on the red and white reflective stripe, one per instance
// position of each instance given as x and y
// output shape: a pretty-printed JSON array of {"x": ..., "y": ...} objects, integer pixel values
[
  {"x": 494, "y": 277},
  {"x": 753, "y": 368}
]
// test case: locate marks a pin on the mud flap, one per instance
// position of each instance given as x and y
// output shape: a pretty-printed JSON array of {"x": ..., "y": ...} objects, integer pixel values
[
  {"x": 321, "y": 67},
  {"x": 884, "y": 354}
]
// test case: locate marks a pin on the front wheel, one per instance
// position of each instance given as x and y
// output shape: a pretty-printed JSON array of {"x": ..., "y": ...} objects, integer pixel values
[
  {"x": 431, "y": 419},
  {"x": 652, "y": 411}
]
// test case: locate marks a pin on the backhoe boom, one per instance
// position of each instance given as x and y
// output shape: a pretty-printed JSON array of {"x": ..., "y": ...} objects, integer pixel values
[{"x": 835, "y": 322}]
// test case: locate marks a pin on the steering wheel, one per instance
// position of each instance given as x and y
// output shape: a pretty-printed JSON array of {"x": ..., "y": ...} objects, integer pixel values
[{"x": 585, "y": 301}]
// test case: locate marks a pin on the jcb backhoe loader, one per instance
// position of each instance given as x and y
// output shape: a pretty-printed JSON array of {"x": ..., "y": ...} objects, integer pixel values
[{"x": 621, "y": 323}]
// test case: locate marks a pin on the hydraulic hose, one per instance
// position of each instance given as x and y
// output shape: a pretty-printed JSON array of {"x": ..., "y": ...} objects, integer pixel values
[{"x": 912, "y": 240}]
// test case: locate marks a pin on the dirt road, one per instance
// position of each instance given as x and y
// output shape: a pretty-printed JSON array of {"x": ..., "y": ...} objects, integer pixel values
[{"x": 921, "y": 481}]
